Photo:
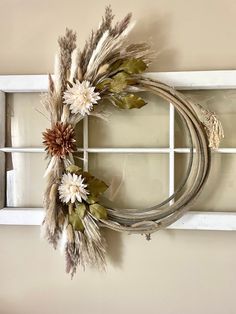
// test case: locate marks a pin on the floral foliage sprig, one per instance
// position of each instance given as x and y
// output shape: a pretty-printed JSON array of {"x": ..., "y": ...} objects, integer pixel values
[
  {"x": 80, "y": 192},
  {"x": 107, "y": 68}
]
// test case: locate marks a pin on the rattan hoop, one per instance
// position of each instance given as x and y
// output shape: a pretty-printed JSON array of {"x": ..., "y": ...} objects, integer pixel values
[{"x": 162, "y": 215}]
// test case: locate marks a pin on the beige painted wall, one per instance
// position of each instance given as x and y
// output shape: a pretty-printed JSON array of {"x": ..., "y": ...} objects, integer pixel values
[{"x": 178, "y": 271}]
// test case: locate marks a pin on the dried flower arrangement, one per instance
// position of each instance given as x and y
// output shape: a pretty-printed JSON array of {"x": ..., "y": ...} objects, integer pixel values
[{"x": 108, "y": 68}]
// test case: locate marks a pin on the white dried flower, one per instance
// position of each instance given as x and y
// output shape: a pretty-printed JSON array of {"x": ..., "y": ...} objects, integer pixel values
[
  {"x": 72, "y": 188},
  {"x": 81, "y": 97}
]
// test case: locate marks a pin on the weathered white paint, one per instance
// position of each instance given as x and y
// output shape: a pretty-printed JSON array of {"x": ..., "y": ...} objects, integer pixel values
[
  {"x": 124, "y": 150},
  {"x": 85, "y": 143},
  {"x": 180, "y": 80},
  {"x": 2, "y": 144},
  {"x": 172, "y": 152},
  {"x": 191, "y": 220}
]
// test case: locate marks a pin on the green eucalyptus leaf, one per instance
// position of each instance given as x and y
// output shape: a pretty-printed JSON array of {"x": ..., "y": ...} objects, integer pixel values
[
  {"x": 98, "y": 211},
  {"x": 91, "y": 199},
  {"x": 119, "y": 82},
  {"x": 80, "y": 209},
  {"x": 128, "y": 101},
  {"x": 95, "y": 186},
  {"x": 104, "y": 84},
  {"x": 133, "y": 66},
  {"x": 76, "y": 221},
  {"x": 87, "y": 175},
  {"x": 73, "y": 169},
  {"x": 116, "y": 65}
]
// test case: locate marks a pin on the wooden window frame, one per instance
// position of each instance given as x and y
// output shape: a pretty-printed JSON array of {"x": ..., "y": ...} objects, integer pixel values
[{"x": 190, "y": 80}]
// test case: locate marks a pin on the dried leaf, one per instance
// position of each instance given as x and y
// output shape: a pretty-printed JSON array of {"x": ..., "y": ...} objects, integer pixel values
[
  {"x": 133, "y": 66},
  {"x": 91, "y": 199},
  {"x": 76, "y": 221},
  {"x": 95, "y": 186},
  {"x": 128, "y": 101},
  {"x": 73, "y": 169},
  {"x": 103, "y": 84},
  {"x": 98, "y": 211},
  {"x": 130, "y": 66},
  {"x": 119, "y": 82},
  {"x": 80, "y": 209},
  {"x": 115, "y": 65}
]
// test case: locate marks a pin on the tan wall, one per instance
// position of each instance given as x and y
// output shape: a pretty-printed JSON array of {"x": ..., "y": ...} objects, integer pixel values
[{"x": 178, "y": 271}]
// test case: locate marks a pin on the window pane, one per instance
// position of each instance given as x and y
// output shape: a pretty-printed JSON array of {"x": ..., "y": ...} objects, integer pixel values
[
  {"x": 182, "y": 138},
  {"x": 144, "y": 127},
  {"x": 25, "y": 124},
  {"x": 135, "y": 180},
  {"x": 222, "y": 102},
  {"x": 219, "y": 191},
  {"x": 25, "y": 183}
]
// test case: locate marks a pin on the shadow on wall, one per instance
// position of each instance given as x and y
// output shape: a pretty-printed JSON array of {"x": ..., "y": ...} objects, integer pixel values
[
  {"x": 155, "y": 30},
  {"x": 114, "y": 247},
  {"x": 7, "y": 307}
]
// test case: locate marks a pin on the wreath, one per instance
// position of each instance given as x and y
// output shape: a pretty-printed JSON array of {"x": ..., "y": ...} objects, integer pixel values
[{"x": 109, "y": 68}]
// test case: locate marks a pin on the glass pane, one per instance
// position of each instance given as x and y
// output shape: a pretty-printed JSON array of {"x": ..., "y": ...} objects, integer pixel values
[
  {"x": 25, "y": 183},
  {"x": 25, "y": 123},
  {"x": 219, "y": 191},
  {"x": 145, "y": 127},
  {"x": 223, "y": 103},
  {"x": 182, "y": 138},
  {"x": 135, "y": 180}
]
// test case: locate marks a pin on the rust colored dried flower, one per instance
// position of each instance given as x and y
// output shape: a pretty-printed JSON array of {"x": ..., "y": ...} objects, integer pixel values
[{"x": 59, "y": 140}]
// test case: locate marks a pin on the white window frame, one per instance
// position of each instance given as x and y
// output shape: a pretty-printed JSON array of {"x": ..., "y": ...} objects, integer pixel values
[{"x": 190, "y": 80}]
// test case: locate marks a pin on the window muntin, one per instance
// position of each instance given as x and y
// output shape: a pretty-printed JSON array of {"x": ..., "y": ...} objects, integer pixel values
[{"x": 174, "y": 152}]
